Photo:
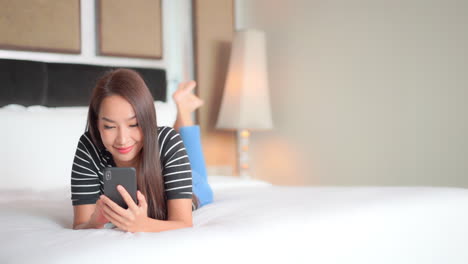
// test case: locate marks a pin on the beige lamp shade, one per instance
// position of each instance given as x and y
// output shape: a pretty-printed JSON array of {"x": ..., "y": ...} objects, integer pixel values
[{"x": 246, "y": 99}]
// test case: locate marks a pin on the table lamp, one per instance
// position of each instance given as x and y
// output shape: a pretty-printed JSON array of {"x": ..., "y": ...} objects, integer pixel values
[{"x": 245, "y": 106}]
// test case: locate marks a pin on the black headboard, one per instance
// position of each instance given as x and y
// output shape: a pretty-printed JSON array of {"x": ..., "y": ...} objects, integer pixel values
[{"x": 61, "y": 84}]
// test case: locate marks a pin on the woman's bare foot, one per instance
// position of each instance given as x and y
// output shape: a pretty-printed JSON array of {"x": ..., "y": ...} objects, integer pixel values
[
  {"x": 185, "y": 99},
  {"x": 186, "y": 102}
]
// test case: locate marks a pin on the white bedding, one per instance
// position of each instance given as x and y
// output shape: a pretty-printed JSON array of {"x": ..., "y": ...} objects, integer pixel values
[{"x": 253, "y": 221}]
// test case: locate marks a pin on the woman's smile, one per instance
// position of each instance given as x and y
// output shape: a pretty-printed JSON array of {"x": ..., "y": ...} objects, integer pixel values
[{"x": 125, "y": 150}]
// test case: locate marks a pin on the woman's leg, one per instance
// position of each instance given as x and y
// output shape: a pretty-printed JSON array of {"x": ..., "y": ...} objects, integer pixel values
[
  {"x": 191, "y": 137},
  {"x": 187, "y": 103}
]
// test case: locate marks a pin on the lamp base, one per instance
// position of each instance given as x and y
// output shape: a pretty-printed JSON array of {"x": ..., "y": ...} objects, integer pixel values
[{"x": 243, "y": 153}]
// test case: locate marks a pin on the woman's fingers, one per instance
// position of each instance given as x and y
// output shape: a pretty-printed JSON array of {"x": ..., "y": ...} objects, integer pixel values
[
  {"x": 115, "y": 207},
  {"x": 142, "y": 200},
  {"x": 125, "y": 219},
  {"x": 113, "y": 217},
  {"x": 187, "y": 86},
  {"x": 127, "y": 198},
  {"x": 108, "y": 211}
]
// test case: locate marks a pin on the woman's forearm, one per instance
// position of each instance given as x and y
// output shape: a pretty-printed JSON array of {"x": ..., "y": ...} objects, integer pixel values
[
  {"x": 154, "y": 225},
  {"x": 87, "y": 225}
]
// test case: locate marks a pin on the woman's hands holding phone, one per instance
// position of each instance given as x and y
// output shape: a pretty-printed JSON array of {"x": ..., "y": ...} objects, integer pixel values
[
  {"x": 98, "y": 220},
  {"x": 133, "y": 219}
]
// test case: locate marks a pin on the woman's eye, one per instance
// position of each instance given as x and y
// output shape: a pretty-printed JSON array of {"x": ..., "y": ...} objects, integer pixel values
[
  {"x": 135, "y": 125},
  {"x": 108, "y": 127}
]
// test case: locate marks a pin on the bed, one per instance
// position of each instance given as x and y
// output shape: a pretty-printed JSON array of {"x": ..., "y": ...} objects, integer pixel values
[
  {"x": 253, "y": 222},
  {"x": 250, "y": 221}
]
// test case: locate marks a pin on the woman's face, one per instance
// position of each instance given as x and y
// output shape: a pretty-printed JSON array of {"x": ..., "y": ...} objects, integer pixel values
[{"x": 120, "y": 132}]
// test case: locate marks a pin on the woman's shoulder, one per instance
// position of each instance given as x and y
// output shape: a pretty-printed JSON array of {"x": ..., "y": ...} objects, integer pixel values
[
  {"x": 168, "y": 137},
  {"x": 85, "y": 138},
  {"x": 165, "y": 130},
  {"x": 89, "y": 144},
  {"x": 86, "y": 134},
  {"x": 98, "y": 154}
]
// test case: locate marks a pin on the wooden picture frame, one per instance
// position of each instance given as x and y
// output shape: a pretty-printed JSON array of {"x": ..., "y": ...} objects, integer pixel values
[
  {"x": 41, "y": 25},
  {"x": 130, "y": 28}
]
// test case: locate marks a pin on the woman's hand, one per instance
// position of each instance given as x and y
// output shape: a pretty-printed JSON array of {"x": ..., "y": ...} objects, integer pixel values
[
  {"x": 98, "y": 220},
  {"x": 133, "y": 219}
]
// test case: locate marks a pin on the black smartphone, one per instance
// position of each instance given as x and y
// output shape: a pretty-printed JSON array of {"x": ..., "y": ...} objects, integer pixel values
[{"x": 126, "y": 177}]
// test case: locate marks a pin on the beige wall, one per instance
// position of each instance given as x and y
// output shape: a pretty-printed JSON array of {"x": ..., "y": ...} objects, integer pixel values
[{"x": 364, "y": 92}]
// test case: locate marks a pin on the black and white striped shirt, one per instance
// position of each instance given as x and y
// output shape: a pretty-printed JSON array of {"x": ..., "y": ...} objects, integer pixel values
[{"x": 89, "y": 163}]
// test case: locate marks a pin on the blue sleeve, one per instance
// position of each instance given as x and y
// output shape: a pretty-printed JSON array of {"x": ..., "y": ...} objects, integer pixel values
[{"x": 191, "y": 137}]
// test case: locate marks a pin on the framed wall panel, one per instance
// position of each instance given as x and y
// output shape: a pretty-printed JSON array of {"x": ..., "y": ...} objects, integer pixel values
[
  {"x": 214, "y": 31},
  {"x": 40, "y": 25},
  {"x": 130, "y": 28}
]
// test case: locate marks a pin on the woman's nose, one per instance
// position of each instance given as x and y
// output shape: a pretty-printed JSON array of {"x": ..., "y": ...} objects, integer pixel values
[{"x": 122, "y": 137}]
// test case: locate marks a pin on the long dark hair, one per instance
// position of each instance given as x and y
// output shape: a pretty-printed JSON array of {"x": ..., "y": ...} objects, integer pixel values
[{"x": 131, "y": 86}]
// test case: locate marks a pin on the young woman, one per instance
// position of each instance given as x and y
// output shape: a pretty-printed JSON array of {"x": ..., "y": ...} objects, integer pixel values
[{"x": 122, "y": 132}]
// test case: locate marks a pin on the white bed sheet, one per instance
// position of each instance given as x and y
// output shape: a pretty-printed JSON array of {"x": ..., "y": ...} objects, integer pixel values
[{"x": 253, "y": 221}]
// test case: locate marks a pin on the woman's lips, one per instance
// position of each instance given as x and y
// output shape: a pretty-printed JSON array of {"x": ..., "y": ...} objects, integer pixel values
[{"x": 124, "y": 150}]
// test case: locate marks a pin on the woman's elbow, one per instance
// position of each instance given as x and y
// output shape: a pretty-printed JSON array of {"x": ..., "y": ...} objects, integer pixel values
[{"x": 187, "y": 224}]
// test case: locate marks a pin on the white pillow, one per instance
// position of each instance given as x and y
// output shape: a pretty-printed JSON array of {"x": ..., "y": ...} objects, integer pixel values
[
  {"x": 14, "y": 108},
  {"x": 166, "y": 113},
  {"x": 39, "y": 147},
  {"x": 39, "y": 143}
]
